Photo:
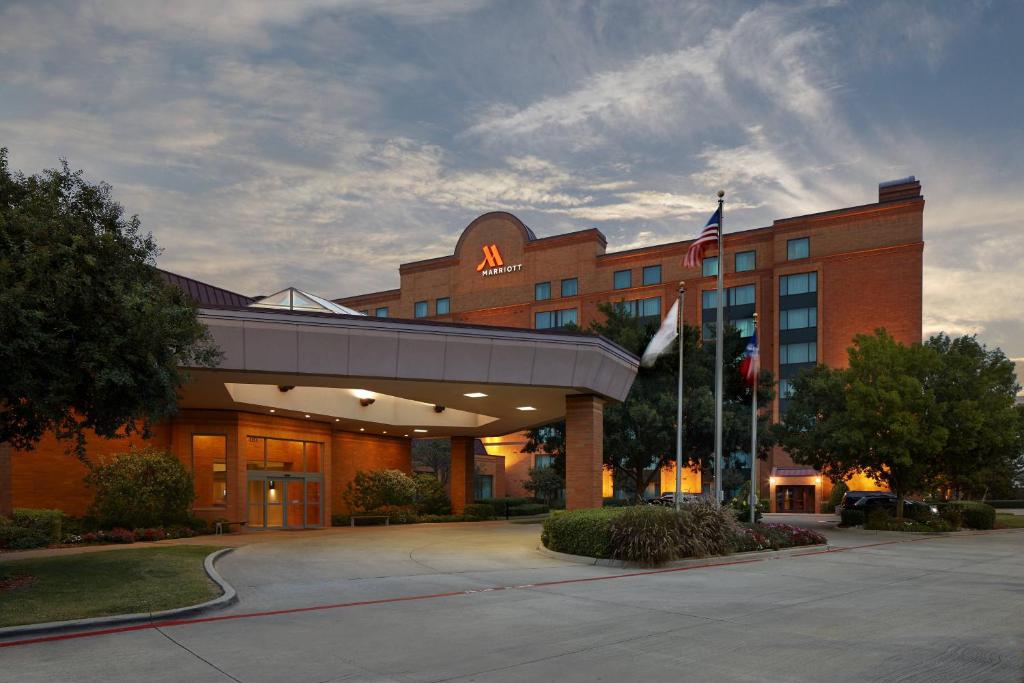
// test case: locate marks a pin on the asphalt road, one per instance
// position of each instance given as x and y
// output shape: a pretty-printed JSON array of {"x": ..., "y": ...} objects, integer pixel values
[{"x": 480, "y": 603}]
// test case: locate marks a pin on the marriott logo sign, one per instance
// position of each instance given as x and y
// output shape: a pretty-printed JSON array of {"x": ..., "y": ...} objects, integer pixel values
[{"x": 493, "y": 263}]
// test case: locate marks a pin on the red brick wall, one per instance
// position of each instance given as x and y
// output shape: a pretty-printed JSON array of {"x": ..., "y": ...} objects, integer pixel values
[{"x": 352, "y": 452}]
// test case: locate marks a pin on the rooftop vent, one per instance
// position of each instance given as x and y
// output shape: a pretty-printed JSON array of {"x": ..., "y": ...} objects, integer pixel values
[{"x": 900, "y": 189}]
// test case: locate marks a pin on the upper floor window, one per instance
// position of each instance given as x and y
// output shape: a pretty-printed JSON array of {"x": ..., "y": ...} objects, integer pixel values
[
  {"x": 740, "y": 296},
  {"x": 420, "y": 309},
  {"x": 542, "y": 291},
  {"x": 381, "y": 312},
  {"x": 798, "y": 318},
  {"x": 710, "y": 265},
  {"x": 443, "y": 306},
  {"x": 652, "y": 275},
  {"x": 805, "y": 352},
  {"x": 622, "y": 279},
  {"x": 709, "y": 298},
  {"x": 744, "y": 325},
  {"x": 544, "y": 320},
  {"x": 785, "y": 388},
  {"x": 570, "y": 287},
  {"x": 542, "y": 462},
  {"x": 746, "y": 260},
  {"x": 800, "y": 283},
  {"x": 798, "y": 248}
]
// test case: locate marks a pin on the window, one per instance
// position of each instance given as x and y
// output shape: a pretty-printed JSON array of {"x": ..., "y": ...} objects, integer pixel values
[
  {"x": 798, "y": 284},
  {"x": 570, "y": 287},
  {"x": 708, "y": 331},
  {"x": 542, "y": 291},
  {"x": 484, "y": 488},
  {"x": 806, "y": 352},
  {"x": 209, "y": 470},
  {"x": 798, "y": 318},
  {"x": 642, "y": 308},
  {"x": 709, "y": 298},
  {"x": 740, "y": 296},
  {"x": 785, "y": 388},
  {"x": 420, "y": 309},
  {"x": 622, "y": 279},
  {"x": 744, "y": 325},
  {"x": 381, "y": 312},
  {"x": 798, "y": 248},
  {"x": 710, "y": 265},
  {"x": 443, "y": 306},
  {"x": 652, "y": 275},
  {"x": 542, "y": 462},
  {"x": 746, "y": 260},
  {"x": 545, "y": 320}
]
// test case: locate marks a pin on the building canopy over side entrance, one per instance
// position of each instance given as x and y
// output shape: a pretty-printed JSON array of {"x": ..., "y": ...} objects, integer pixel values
[{"x": 410, "y": 378}]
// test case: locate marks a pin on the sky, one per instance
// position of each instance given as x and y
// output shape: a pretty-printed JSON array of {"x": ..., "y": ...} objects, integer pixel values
[{"x": 322, "y": 143}]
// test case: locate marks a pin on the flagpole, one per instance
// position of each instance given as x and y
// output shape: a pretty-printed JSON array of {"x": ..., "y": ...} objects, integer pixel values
[
  {"x": 719, "y": 350},
  {"x": 679, "y": 402},
  {"x": 753, "y": 435}
]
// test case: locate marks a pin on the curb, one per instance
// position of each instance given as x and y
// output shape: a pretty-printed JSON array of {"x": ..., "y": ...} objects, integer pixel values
[
  {"x": 691, "y": 562},
  {"x": 228, "y": 597}
]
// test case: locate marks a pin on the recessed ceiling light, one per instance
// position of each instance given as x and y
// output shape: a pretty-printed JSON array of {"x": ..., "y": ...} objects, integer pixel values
[
  {"x": 307, "y": 416},
  {"x": 337, "y": 419},
  {"x": 405, "y": 435},
  {"x": 272, "y": 410},
  {"x": 526, "y": 408},
  {"x": 475, "y": 394},
  {"x": 421, "y": 431},
  {"x": 361, "y": 429},
  {"x": 384, "y": 432}
]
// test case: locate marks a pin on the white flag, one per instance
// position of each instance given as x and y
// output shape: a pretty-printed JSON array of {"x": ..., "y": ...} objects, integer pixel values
[{"x": 663, "y": 338}]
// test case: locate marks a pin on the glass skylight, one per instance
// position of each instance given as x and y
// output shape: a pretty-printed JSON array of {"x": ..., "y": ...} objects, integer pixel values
[{"x": 293, "y": 299}]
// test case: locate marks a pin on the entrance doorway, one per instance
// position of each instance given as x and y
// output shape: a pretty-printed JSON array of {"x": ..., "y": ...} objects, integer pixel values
[
  {"x": 284, "y": 483},
  {"x": 794, "y": 499}
]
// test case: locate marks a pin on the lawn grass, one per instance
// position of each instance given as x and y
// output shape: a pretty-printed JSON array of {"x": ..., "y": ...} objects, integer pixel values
[
  {"x": 103, "y": 583},
  {"x": 1007, "y": 520}
]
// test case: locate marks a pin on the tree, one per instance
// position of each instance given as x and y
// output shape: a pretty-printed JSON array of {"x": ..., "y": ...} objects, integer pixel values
[
  {"x": 975, "y": 390},
  {"x": 435, "y": 455},
  {"x": 640, "y": 432},
  {"x": 879, "y": 416},
  {"x": 544, "y": 483},
  {"x": 91, "y": 335}
]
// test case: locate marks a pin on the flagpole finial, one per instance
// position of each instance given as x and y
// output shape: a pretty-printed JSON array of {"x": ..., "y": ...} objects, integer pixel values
[
  {"x": 721, "y": 193},
  {"x": 682, "y": 286}
]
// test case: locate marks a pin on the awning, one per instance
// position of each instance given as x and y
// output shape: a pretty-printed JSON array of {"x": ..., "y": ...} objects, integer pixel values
[{"x": 794, "y": 472}]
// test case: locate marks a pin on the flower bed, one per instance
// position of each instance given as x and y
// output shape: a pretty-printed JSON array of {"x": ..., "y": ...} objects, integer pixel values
[{"x": 775, "y": 537}]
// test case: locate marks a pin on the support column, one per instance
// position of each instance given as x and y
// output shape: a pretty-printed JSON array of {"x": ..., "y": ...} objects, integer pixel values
[
  {"x": 584, "y": 448},
  {"x": 462, "y": 473}
]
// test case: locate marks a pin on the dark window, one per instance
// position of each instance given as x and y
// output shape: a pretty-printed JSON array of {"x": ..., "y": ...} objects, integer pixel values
[
  {"x": 484, "y": 486},
  {"x": 798, "y": 318},
  {"x": 622, "y": 279},
  {"x": 652, "y": 275},
  {"x": 709, "y": 297},
  {"x": 746, "y": 260},
  {"x": 804, "y": 352},
  {"x": 710, "y": 265},
  {"x": 798, "y": 248},
  {"x": 642, "y": 308},
  {"x": 381, "y": 312},
  {"x": 542, "y": 462},
  {"x": 542, "y": 291},
  {"x": 420, "y": 309},
  {"x": 544, "y": 320},
  {"x": 570, "y": 287},
  {"x": 798, "y": 284},
  {"x": 443, "y": 306},
  {"x": 740, "y": 296}
]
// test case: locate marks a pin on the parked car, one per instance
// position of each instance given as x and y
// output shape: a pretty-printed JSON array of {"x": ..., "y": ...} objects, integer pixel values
[
  {"x": 669, "y": 499},
  {"x": 887, "y": 502},
  {"x": 850, "y": 498}
]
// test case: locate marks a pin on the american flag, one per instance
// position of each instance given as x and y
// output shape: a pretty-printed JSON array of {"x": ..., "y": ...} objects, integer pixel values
[
  {"x": 750, "y": 365},
  {"x": 707, "y": 237}
]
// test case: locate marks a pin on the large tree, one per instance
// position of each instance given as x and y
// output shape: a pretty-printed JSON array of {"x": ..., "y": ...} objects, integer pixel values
[
  {"x": 975, "y": 390},
  {"x": 879, "y": 416},
  {"x": 92, "y": 338}
]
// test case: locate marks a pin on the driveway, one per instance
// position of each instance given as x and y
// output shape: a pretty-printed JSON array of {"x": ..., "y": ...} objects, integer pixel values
[{"x": 479, "y": 603}]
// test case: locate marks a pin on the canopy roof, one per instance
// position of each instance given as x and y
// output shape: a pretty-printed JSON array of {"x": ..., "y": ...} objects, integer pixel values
[{"x": 293, "y": 299}]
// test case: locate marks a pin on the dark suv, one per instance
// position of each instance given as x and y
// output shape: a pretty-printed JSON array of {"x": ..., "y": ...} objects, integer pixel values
[
  {"x": 850, "y": 498},
  {"x": 887, "y": 502}
]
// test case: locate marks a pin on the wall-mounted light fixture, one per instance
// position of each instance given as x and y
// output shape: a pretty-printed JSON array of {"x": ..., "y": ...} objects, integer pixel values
[
  {"x": 285, "y": 387},
  {"x": 364, "y": 402},
  {"x": 438, "y": 409},
  {"x": 271, "y": 485}
]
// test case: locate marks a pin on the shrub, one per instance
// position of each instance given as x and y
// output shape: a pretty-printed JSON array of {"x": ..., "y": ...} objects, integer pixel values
[
  {"x": 478, "y": 511},
  {"x": 447, "y": 518},
  {"x": 527, "y": 510},
  {"x": 646, "y": 534},
  {"x": 1005, "y": 504},
  {"x": 886, "y": 523},
  {"x": 431, "y": 497},
  {"x": 616, "y": 502},
  {"x": 150, "y": 534},
  {"x": 952, "y": 516},
  {"x": 704, "y": 529},
  {"x": 118, "y": 535},
  {"x": 370, "y": 491},
  {"x": 201, "y": 526},
  {"x": 836, "y": 497},
  {"x": 142, "y": 488},
  {"x": 877, "y": 519},
  {"x": 580, "y": 532},
  {"x": 974, "y": 514},
  {"x": 46, "y": 522},
  {"x": 22, "y": 538},
  {"x": 850, "y": 517},
  {"x": 395, "y": 514},
  {"x": 775, "y": 537}
]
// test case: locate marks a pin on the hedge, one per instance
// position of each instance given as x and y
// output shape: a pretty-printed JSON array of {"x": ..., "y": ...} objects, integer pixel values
[
  {"x": 850, "y": 517},
  {"x": 46, "y": 522},
  {"x": 20, "y": 538},
  {"x": 975, "y": 515},
  {"x": 580, "y": 532},
  {"x": 1004, "y": 504},
  {"x": 479, "y": 511}
]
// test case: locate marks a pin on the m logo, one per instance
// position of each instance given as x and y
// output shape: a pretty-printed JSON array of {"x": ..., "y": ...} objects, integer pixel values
[{"x": 492, "y": 258}]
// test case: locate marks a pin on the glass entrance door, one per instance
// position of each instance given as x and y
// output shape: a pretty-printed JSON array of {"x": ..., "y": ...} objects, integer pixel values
[{"x": 283, "y": 502}]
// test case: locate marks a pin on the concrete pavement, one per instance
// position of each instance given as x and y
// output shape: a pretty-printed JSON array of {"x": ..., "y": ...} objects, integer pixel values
[{"x": 478, "y": 603}]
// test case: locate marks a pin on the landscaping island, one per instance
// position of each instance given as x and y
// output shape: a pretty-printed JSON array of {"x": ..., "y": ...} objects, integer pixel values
[{"x": 102, "y": 584}]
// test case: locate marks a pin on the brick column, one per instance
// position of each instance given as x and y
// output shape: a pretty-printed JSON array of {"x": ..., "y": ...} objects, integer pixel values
[
  {"x": 462, "y": 473},
  {"x": 6, "y": 495},
  {"x": 584, "y": 446}
]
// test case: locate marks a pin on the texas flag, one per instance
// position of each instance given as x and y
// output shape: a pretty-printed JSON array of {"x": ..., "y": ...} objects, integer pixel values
[{"x": 751, "y": 363}]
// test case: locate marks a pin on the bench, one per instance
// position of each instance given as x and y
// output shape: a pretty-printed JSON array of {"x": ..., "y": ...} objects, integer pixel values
[
  {"x": 218, "y": 527},
  {"x": 386, "y": 518}
]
